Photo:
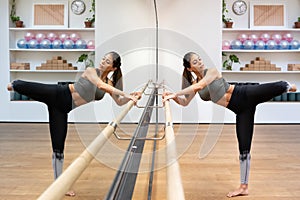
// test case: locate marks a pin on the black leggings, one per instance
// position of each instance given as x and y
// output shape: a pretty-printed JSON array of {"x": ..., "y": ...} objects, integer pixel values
[
  {"x": 59, "y": 101},
  {"x": 243, "y": 103}
]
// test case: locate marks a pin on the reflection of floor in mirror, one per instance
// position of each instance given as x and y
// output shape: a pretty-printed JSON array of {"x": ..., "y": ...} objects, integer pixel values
[{"x": 26, "y": 169}]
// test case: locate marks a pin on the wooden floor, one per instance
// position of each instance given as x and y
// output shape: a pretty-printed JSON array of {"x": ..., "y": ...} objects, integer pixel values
[{"x": 25, "y": 166}]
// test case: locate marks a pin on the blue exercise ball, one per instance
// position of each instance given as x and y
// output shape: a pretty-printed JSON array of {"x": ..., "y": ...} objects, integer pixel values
[
  {"x": 80, "y": 44},
  {"x": 260, "y": 45},
  {"x": 33, "y": 44},
  {"x": 68, "y": 44},
  {"x": 57, "y": 44},
  {"x": 22, "y": 44},
  {"x": 271, "y": 45},
  {"x": 45, "y": 44},
  {"x": 294, "y": 44},
  {"x": 283, "y": 44},
  {"x": 236, "y": 44},
  {"x": 248, "y": 44}
]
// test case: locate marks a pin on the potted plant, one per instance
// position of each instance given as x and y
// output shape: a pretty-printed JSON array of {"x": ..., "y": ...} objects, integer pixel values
[
  {"x": 14, "y": 18},
  {"x": 86, "y": 60},
  {"x": 226, "y": 20},
  {"x": 89, "y": 21},
  {"x": 297, "y": 24},
  {"x": 232, "y": 58}
]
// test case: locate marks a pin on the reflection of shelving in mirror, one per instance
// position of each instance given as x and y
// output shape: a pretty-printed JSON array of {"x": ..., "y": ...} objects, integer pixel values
[
  {"x": 57, "y": 39},
  {"x": 80, "y": 40},
  {"x": 281, "y": 47}
]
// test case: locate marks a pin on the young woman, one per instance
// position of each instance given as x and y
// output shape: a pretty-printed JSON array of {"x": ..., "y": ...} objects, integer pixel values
[
  {"x": 241, "y": 99},
  {"x": 61, "y": 99}
]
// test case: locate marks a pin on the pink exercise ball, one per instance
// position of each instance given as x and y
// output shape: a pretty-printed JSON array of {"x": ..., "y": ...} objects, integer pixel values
[
  {"x": 74, "y": 37},
  {"x": 52, "y": 36},
  {"x": 63, "y": 37},
  {"x": 91, "y": 44},
  {"x": 288, "y": 37},
  {"x": 28, "y": 36},
  {"x": 276, "y": 37},
  {"x": 242, "y": 37},
  {"x": 253, "y": 37},
  {"x": 265, "y": 37},
  {"x": 40, "y": 36}
]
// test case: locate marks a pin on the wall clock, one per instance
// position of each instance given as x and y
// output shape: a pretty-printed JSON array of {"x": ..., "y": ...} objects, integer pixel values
[
  {"x": 78, "y": 7},
  {"x": 239, "y": 7}
]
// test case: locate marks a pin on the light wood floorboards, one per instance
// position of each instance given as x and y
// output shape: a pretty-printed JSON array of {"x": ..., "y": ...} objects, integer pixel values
[{"x": 26, "y": 171}]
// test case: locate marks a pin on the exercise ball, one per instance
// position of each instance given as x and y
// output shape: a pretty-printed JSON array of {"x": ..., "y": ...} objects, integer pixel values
[
  {"x": 22, "y": 43},
  {"x": 242, "y": 37},
  {"x": 63, "y": 37},
  {"x": 236, "y": 44},
  {"x": 33, "y": 44},
  {"x": 68, "y": 44},
  {"x": 271, "y": 45},
  {"x": 28, "y": 36},
  {"x": 288, "y": 37},
  {"x": 253, "y": 37},
  {"x": 265, "y": 37},
  {"x": 57, "y": 44},
  {"x": 80, "y": 44},
  {"x": 40, "y": 36},
  {"x": 283, "y": 44},
  {"x": 259, "y": 45},
  {"x": 74, "y": 37},
  {"x": 52, "y": 36},
  {"x": 45, "y": 44},
  {"x": 276, "y": 37},
  {"x": 294, "y": 44},
  {"x": 248, "y": 44},
  {"x": 225, "y": 45}
]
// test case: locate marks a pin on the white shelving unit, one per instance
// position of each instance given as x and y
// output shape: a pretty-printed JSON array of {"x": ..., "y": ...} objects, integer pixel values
[
  {"x": 37, "y": 56},
  {"x": 267, "y": 112},
  {"x": 279, "y": 57}
]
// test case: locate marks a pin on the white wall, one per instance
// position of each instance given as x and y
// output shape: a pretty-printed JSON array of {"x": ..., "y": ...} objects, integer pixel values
[
  {"x": 243, "y": 21},
  {"x": 128, "y": 27},
  {"x": 4, "y": 74}
]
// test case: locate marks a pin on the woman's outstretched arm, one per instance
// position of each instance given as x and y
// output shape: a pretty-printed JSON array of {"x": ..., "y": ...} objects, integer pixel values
[{"x": 91, "y": 74}]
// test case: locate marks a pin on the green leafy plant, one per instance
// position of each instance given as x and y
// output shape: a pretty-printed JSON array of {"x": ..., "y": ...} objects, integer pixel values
[
  {"x": 298, "y": 19},
  {"x": 87, "y": 59},
  {"x": 224, "y": 12},
  {"x": 92, "y": 11},
  {"x": 232, "y": 58},
  {"x": 13, "y": 15}
]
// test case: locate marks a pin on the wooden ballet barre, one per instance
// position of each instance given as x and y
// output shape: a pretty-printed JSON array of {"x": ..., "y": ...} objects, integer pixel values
[
  {"x": 174, "y": 183},
  {"x": 64, "y": 182}
]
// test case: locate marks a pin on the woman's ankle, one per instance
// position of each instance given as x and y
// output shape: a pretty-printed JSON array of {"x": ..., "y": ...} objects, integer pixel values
[{"x": 10, "y": 87}]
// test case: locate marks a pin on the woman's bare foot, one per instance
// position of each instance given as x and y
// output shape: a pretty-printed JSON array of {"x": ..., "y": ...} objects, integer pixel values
[
  {"x": 241, "y": 191},
  {"x": 293, "y": 88},
  {"x": 9, "y": 87},
  {"x": 70, "y": 193}
]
